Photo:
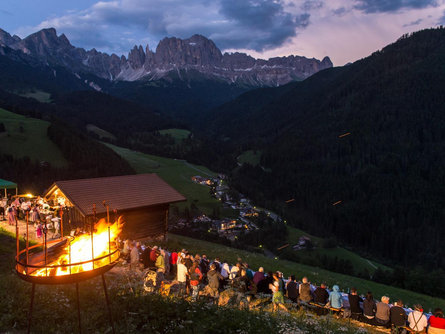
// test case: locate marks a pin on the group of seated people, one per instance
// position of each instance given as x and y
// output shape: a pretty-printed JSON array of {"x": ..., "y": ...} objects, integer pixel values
[{"x": 198, "y": 273}]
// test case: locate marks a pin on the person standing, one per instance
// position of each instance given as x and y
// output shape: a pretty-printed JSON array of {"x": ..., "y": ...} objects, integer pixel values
[
  {"x": 181, "y": 276},
  {"x": 11, "y": 216},
  {"x": 173, "y": 262},
  {"x": 214, "y": 278},
  {"x": 277, "y": 293},
  {"x": 195, "y": 278},
  {"x": 134, "y": 257}
]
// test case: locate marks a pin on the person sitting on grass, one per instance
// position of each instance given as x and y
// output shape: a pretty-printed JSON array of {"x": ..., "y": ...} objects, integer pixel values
[
  {"x": 292, "y": 289},
  {"x": 437, "y": 322},
  {"x": 369, "y": 308},
  {"x": 382, "y": 313},
  {"x": 398, "y": 317},
  {"x": 305, "y": 291},
  {"x": 417, "y": 320},
  {"x": 258, "y": 276},
  {"x": 277, "y": 290},
  {"x": 335, "y": 298},
  {"x": 321, "y": 296},
  {"x": 354, "y": 304}
]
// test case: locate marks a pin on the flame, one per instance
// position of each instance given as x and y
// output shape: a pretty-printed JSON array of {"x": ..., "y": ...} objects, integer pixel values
[{"x": 81, "y": 250}]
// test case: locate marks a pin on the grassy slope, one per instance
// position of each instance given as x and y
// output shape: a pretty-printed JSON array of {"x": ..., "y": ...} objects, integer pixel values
[
  {"x": 32, "y": 142},
  {"x": 178, "y": 174},
  {"x": 250, "y": 157},
  {"x": 133, "y": 311},
  {"x": 315, "y": 275},
  {"x": 357, "y": 261},
  {"x": 177, "y": 134},
  {"x": 100, "y": 132}
]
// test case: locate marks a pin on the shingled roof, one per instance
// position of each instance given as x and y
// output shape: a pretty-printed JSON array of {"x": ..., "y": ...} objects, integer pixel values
[{"x": 120, "y": 192}]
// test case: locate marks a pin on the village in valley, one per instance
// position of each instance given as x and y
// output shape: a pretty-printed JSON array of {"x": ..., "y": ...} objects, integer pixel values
[{"x": 227, "y": 227}]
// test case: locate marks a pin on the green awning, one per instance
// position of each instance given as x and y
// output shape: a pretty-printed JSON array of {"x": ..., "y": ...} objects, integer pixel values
[{"x": 4, "y": 184}]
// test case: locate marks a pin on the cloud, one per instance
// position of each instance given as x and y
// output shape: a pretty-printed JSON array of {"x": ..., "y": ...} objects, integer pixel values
[
  {"x": 252, "y": 24},
  {"x": 378, "y": 6},
  {"x": 413, "y": 23}
]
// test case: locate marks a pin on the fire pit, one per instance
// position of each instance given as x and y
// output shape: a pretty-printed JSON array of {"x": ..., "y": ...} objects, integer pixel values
[{"x": 69, "y": 259}]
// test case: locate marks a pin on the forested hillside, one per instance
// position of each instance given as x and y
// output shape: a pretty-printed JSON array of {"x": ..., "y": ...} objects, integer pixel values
[{"x": 371, "y": 135}]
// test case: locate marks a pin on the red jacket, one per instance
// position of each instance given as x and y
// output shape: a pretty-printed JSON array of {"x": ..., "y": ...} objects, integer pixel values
[
  {"x": 173, "y": 258},
  {"x": 437, "y": 322}
]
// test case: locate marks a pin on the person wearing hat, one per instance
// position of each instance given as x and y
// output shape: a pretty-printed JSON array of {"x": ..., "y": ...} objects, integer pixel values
[{"x": 417, "y": 320}]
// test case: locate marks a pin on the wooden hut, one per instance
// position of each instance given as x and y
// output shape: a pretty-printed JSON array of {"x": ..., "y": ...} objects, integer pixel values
[{"x": 143, "y": 200}]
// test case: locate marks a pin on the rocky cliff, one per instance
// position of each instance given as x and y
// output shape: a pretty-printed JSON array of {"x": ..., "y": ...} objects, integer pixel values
[{"x": 172, "y": 54}]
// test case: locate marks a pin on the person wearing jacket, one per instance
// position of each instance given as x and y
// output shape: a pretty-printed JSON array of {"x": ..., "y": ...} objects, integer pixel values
[
  {"x": 335, "y": 297},
  {"x": 382, "y": 313},
  {"x": 214, "y": 278},
  {"x": 369, "y": 308},
  {"x": 195, "y": 278}
]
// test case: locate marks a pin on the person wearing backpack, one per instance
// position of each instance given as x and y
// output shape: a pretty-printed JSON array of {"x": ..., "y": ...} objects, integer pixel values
[
  {"x": 195, "y": 278},
  {"x": 417, "y": 320}
]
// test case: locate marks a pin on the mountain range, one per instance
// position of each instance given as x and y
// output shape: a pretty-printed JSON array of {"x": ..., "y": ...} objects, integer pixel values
[{"x": 196, "y": 53}]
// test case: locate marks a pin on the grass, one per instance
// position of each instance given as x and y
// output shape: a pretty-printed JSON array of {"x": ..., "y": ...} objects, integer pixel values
[
  {"x": 101, "y": 133},
  {"x": 178, "y": 174},
  {"x": 315, "y": 275},
  {"x": 133, "y": 311},
  {"x": 357, "y": 261},
  {"x": 177, "y": 134},
  {"x": 250, "y": 157},
  {"x": 27, "y": 136},
  {"x": 39, "y": 95}
]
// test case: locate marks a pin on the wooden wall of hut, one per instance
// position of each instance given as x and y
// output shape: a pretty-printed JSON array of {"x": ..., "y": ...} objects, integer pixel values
[{"x": 143, "y": 223}]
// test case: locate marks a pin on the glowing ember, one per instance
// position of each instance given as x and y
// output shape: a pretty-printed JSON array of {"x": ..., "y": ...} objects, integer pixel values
[{"x": 81, "y": 250}]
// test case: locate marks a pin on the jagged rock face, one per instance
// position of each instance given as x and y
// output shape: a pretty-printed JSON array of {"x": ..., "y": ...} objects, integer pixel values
[{"x": 172, "y": 54}]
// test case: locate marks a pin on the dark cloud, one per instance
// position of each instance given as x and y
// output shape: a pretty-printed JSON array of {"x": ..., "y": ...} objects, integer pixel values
[
  {"x": 377, "y": 6},
  {"x": 413, "y": 23},
  {"x": 248, "y": 24},
  {"x": 340, "y": 11},
  {"x": 261, "y": 24},
  {"x": 309, "y": 5}
]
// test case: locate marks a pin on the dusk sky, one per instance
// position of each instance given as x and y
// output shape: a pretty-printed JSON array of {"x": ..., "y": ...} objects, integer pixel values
[{"x": 344, "y": 30}]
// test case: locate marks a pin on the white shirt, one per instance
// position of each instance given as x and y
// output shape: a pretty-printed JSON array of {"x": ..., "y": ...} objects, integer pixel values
[
  {"x": 225, "y": 270},
  {"x": 233, "y": 272},
  {"x": 418, "y": 317},
  {"x": 182, "y": 273}
]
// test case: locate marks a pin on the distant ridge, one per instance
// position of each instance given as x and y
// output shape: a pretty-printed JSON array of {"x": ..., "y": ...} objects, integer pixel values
[{"x": 172, "y": 54}]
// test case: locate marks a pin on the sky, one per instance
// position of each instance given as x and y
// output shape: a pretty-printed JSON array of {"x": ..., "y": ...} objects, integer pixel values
[{"x": 344, "y": 30}]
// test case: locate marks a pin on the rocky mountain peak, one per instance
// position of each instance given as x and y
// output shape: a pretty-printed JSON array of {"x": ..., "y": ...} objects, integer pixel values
[
  {"x": 6, "y": 38},
  {"x": 172, "y": 54},
  {"x": 136, "y": 57}
]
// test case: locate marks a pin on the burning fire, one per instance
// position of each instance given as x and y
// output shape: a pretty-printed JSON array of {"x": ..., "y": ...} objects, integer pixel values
[{"x": 82, "y": 250}]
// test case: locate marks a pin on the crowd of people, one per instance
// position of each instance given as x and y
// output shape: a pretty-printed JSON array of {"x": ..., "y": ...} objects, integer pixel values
[
  {"x": 34, "y": 209},
  {"x": 197, "y": 275}
]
